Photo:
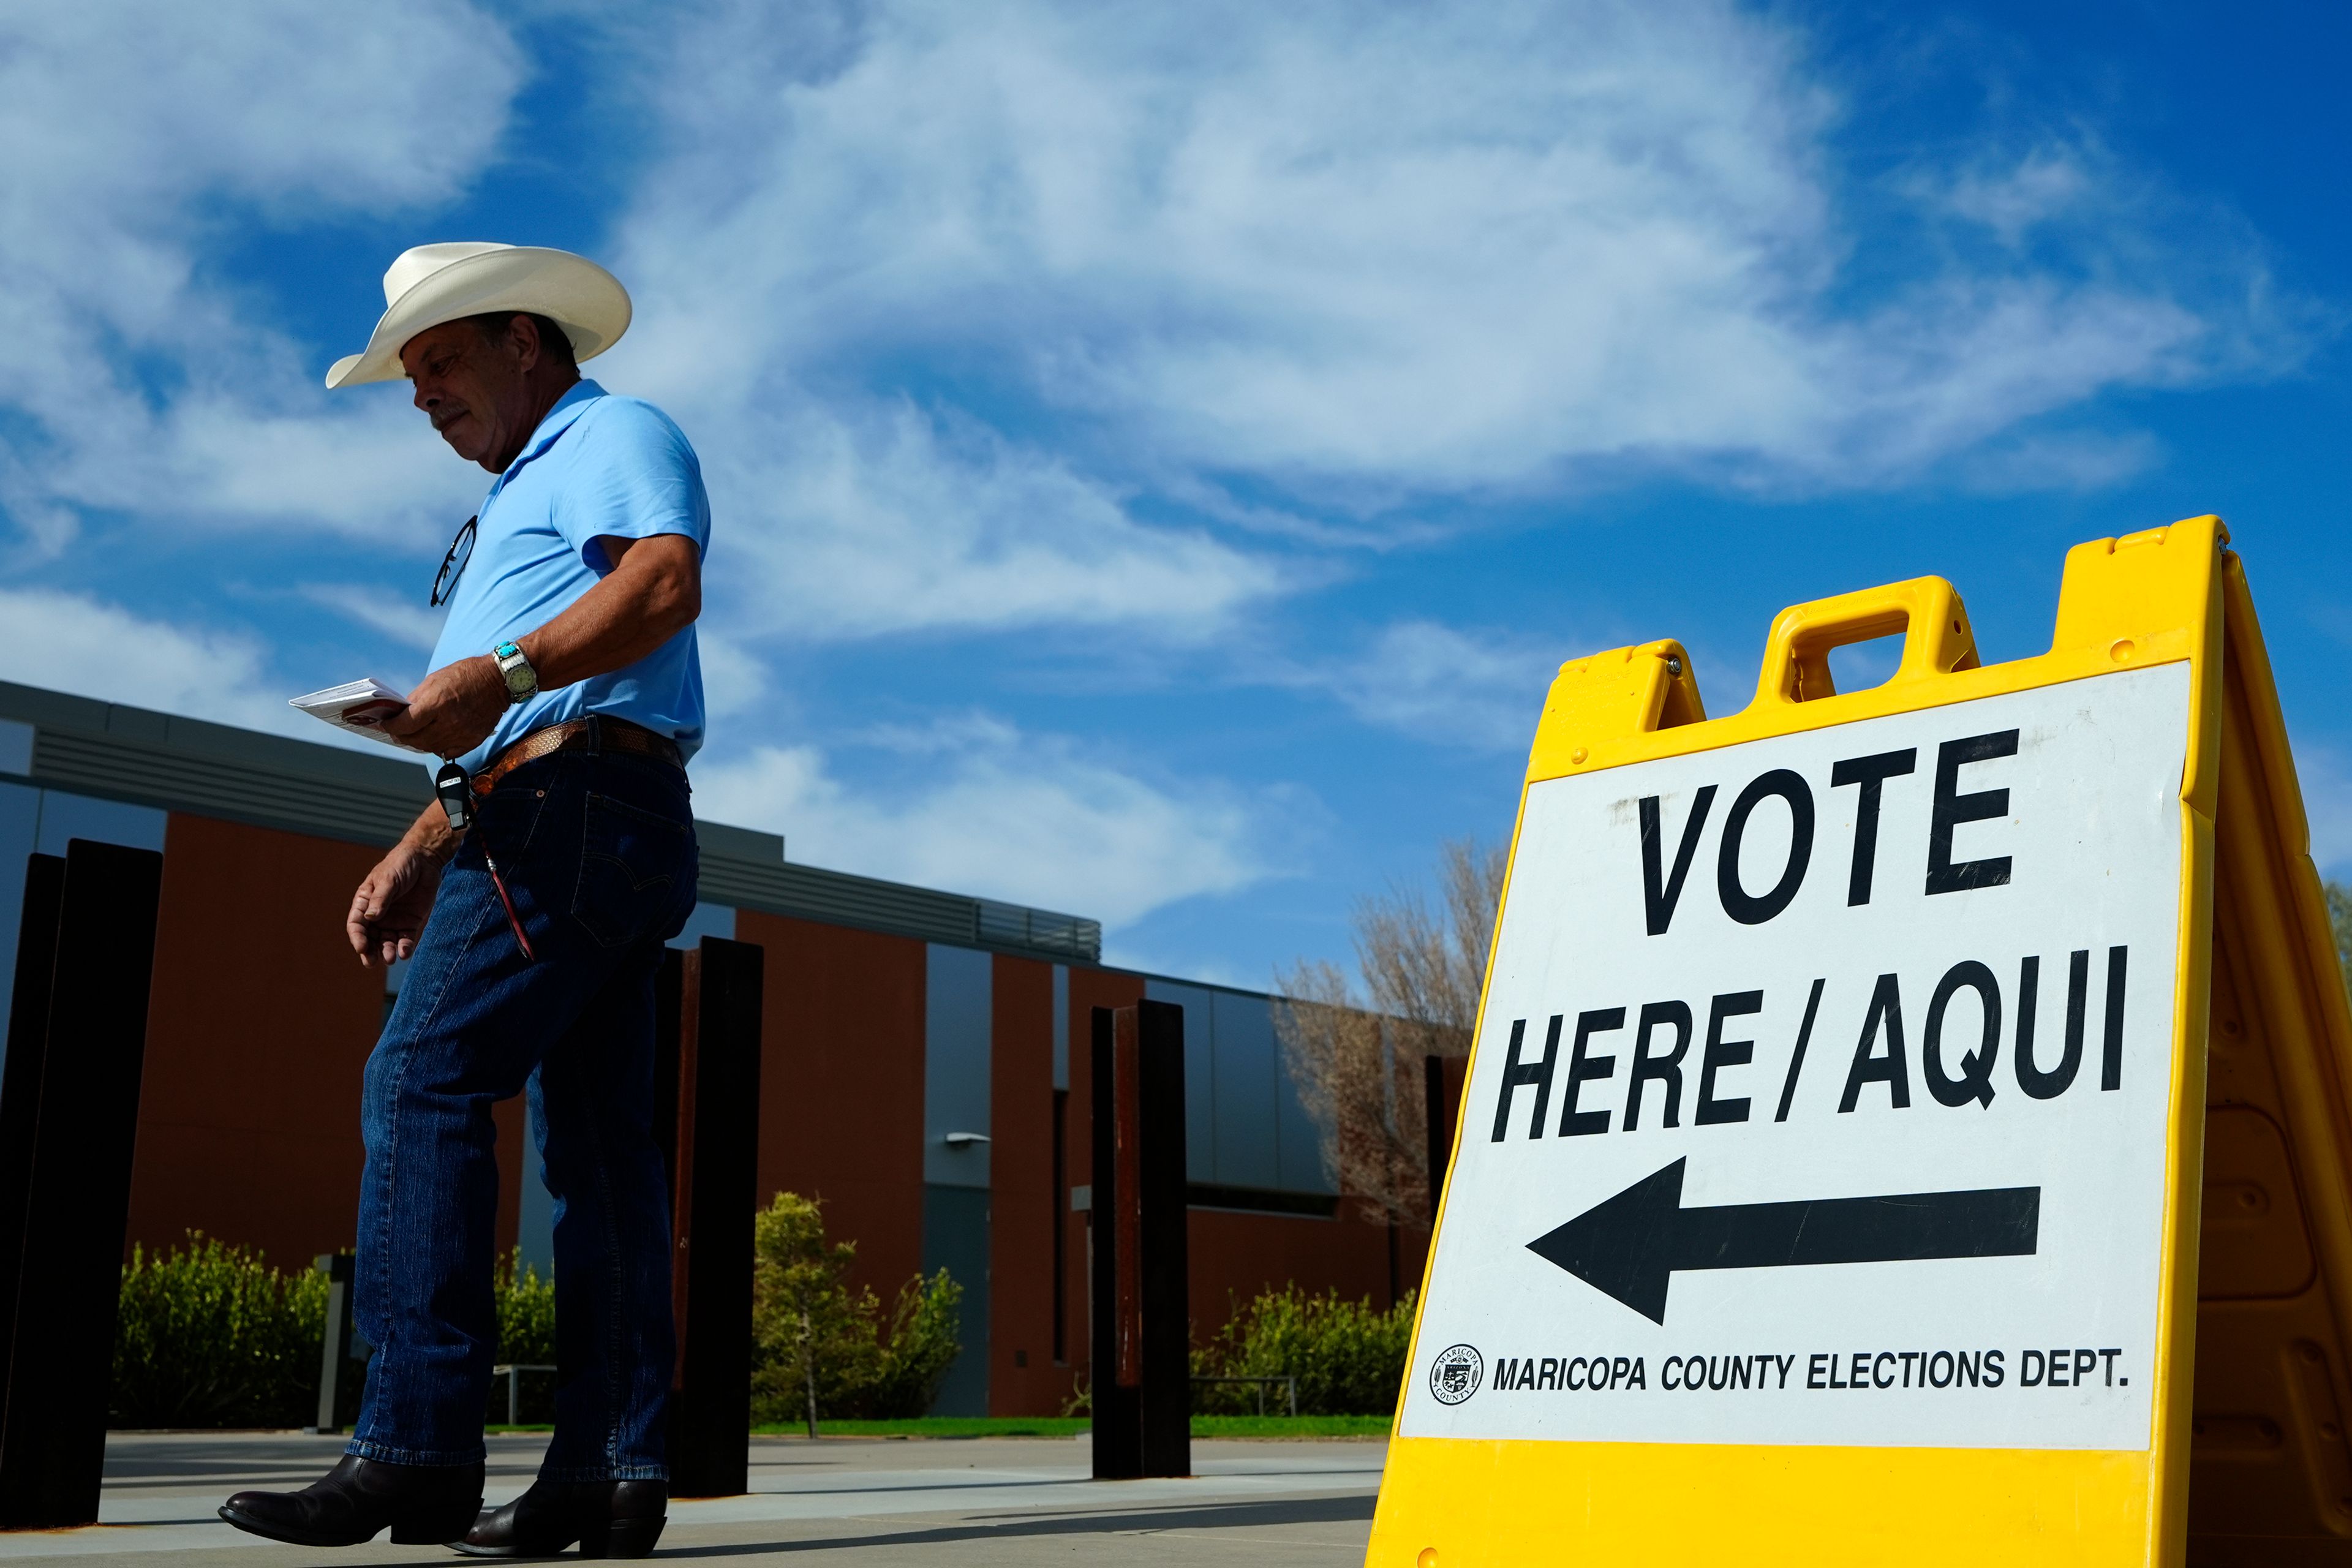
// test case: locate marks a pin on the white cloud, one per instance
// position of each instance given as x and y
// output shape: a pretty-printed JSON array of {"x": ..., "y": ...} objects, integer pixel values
[
  {"x": 2325, "y": 774},
  {"x": 733, "y": 680},
  {"x": 983, "y": 809},
  {"x": 1362, "y": 252},
  {"x": 2048, "y": 182},
  {"x": 404, "y": 621},
  {"x": 136, "y": 378},
  {"x": 857, "y": 518},
  {"x": 363, "y": 465},
  {"x": 1439, "y": 683},
  {"x": 2081, "y": 460}
]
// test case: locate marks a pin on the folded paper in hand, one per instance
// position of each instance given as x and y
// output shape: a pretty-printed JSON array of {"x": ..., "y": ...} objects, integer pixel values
[{"x": 359, "y": 706}]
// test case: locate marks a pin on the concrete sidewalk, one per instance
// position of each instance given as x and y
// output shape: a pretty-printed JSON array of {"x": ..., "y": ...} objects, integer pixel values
[{"x": 868, "y": 1502}]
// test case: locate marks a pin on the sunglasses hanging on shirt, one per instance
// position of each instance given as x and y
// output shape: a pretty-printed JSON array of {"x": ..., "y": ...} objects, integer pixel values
[{"x": 453, "y": 565}]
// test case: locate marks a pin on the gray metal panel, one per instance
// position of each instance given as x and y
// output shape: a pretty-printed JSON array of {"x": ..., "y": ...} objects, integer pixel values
[
  {"x": 1014, "y": 925},
  {"x": 738, "y": 842},
  {"x": 958, "y": 989},
  {"x": 39, "y": 705},
  {"x": 535, "y": 1215},
  {"x": 1062, "y": 1026},
  {"x": 1300, "y": 1162},
  {"x": 376, "y": 811},
  {"x": 20, "y": 816},
  {"x": 955, "y": 1237},
  {"x": 16, "y": 747},
  {"x": 1247, "y": 1092},
  {"x": 1199, "y": 1074},
  {"x": 1300, "y": 1167},
  {"x": 837, "y": 898},
  {"x": 840, "y": 899}
]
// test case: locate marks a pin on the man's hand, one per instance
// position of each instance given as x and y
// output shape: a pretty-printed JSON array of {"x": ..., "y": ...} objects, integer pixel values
[
  {"x": 389, "y": 911},
  {"x": 456, "y": 709}
]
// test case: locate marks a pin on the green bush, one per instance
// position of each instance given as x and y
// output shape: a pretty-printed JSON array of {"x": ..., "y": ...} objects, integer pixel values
[
  {"x": 916, "y": 1349},
  {"x": 526, "y": 1307},
  {"x": 525, "y": 1312},
  {"x": 815, "y": 1341},
  {"x": 210, "y": 1335},
  {"x": 1348, "y": 1359}
]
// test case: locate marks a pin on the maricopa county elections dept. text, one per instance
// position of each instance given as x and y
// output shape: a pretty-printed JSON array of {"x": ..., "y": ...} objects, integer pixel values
[
  {"x": 1864, "y": 1371},
  {"x": 1855, "y": 1034}
]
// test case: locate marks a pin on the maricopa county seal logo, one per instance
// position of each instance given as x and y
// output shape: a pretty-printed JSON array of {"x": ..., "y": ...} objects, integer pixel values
[{"x": 1454, "y": 1376}]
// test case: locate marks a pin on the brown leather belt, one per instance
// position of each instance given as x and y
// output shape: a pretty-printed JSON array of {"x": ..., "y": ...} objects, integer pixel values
[{"x": 597, "y": 733}]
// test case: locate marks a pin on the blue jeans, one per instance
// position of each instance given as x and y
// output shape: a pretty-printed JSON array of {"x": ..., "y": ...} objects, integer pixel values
[{"x": 598, "y": 853}]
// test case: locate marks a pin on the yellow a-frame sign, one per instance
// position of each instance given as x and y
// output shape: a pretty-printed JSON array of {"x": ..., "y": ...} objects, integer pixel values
[{"x": 1905, "y": 1126}]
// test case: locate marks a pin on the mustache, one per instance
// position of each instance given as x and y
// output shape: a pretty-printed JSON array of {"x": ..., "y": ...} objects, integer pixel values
[{"x": 443, "y": 417}]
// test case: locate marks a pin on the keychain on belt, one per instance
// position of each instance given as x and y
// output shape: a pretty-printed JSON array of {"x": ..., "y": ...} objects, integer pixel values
[{"x": 456, "y": 789}]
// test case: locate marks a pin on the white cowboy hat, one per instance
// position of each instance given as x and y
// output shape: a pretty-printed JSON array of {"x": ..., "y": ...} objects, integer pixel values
[{"x": 437, "y": 283}]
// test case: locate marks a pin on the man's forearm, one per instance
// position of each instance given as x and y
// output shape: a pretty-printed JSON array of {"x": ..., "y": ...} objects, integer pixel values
[
  {"x": 652, "y": 594},
  {"x": 430, "y": 836}
]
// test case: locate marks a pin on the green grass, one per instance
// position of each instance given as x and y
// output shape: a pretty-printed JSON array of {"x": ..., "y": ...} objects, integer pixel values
[
  {"x": 938, "y": 1426},
  {"x": 1290, "y": 1426},
  {"x": 1071, "y": 1426}
]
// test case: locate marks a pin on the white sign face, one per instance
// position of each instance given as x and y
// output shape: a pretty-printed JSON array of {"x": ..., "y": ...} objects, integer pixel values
[{"x": 1820, "y": 1095}]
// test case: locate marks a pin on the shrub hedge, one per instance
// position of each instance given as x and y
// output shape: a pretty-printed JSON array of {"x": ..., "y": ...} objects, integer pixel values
[
  {"x": 526, "y": 1306},
  {"x": 210, "y": 1335},
  {"x": 1349, "y": 1357},
  {"x": 822, "y": 1349}
]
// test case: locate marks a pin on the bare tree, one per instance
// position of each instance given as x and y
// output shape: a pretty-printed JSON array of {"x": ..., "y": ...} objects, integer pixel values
[
  {"x": 1355, "y": 1054},
  {"x": 2339, "y": 918}
]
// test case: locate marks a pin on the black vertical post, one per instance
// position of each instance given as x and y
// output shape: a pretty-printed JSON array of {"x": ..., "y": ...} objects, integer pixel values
[
  {"x": 1166, "y": 1413},
  {"x": 20, "y": 1079},
  {"x": 1114, "y": 1392},
  {"x": 1140, "y": 1376},
  {"x": 1441, "y": 1082},
  {"x": 77, "y": 1199},
  {"x": 714, "y": 1196},
  {"x": 335, "y": 1344}
]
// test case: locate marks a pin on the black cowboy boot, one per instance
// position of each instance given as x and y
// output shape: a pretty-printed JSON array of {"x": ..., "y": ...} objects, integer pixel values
[
  {"x": 608, "y": 1518},
  {"x": 424, "y": 1504}
]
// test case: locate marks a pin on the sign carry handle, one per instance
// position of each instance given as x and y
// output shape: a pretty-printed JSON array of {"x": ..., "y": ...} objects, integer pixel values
[{"x": 1926, "y": 610}]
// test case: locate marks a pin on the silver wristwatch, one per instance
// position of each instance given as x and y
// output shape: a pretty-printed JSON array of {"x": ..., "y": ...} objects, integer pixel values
[{"x": 523, "y": 681}]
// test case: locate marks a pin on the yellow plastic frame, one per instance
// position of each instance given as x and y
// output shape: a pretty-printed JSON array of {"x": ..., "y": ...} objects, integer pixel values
[{"x": 2154, "y": 597}]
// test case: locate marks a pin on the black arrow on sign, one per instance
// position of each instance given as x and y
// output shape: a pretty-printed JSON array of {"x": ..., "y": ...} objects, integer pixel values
[{"x": 1628, "y": 1246}]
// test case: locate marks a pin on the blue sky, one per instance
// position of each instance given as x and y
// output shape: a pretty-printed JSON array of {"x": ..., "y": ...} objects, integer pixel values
[{"x": 1160, "y": 452}]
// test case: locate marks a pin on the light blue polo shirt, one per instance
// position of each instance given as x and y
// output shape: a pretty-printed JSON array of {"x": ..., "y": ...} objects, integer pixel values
[{"x": 597, "y": 466}]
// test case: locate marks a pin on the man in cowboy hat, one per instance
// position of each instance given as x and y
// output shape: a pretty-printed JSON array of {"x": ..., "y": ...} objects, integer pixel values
[{"x": 566, "y": 682}]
